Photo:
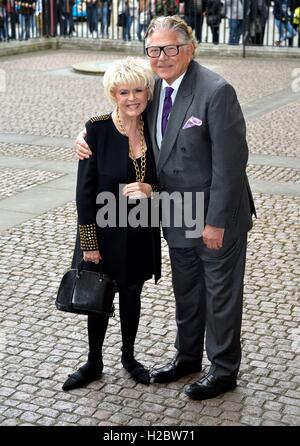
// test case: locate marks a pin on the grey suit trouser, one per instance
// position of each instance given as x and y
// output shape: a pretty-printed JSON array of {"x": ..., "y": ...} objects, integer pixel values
[{"x": 208, "y": 288}]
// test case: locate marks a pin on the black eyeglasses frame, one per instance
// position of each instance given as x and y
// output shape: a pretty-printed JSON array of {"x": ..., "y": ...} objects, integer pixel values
[{"x": 162, "y": 48}]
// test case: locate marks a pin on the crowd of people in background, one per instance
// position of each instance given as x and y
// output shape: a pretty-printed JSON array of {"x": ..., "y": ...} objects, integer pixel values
[{"x": 247, "y": 19}]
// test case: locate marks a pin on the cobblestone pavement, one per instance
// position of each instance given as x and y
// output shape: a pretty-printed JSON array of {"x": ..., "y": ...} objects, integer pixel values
[
  {"x": 15, "y": 180},
  {"x": 38, "y": 152},
  {"x": 277, "y": 132},
  {"x": 39, "y": 346}
]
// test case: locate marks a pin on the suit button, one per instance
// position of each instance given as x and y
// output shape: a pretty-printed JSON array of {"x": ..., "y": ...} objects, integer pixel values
[
  {"x": 183, "y": 149},
  {"x": 175, "y": 171}
]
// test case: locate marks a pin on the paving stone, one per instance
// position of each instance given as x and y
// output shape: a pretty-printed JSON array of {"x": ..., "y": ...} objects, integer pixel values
[
  {"x": 230, "y": 416},
  {"x": 30, "y": 416},
  {"x": 10, "y": 422},
  {"x": 291, "y": 420},
  {"x": 48, "y": 412},
  {"x": 13, "y": 413},
  {"x": 81, "y": 410},
  {"x": 272, "y": 415},
  {"x": 250, "y": 421},
  {"x": 102, "y": 415},
  {"x": 138, "y": 422},
  {"x": 292, "y": 410},
  {"x": 68, "y": 418},
  {"x": 231, "y": 406},
  {"x": 171, "y": 412},
  {"x": 120, "y": 419},
  {"x": 151, "y": 407},
  {"x": 208, "y": 421},
  {"x": 44, "y": 421},
  {"x": 272, "y": 423},
  {"x": 130, "y": 393}
]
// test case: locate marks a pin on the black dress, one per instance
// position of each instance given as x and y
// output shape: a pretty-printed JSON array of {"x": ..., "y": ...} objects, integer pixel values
[
  {"x": 139, "y": 256},
  {"x": 130, "y": 255}
]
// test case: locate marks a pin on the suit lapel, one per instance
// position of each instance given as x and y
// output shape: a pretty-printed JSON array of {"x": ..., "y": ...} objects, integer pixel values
[
  {"x": 152, "y": 112},
  {"x": 182, "y": 102}
]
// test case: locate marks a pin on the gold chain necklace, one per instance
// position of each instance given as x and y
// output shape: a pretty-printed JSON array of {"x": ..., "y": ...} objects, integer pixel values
[{"x": 139, "y": 173}]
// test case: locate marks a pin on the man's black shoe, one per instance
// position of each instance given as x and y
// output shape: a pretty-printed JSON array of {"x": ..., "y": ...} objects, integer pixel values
[
  {"x": 175, "y": 370},
  {"x": 209, "y": 386}
]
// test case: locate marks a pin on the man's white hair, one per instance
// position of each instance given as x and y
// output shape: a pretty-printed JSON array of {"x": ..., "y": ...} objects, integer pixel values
[{"x": 172, "y": 23}]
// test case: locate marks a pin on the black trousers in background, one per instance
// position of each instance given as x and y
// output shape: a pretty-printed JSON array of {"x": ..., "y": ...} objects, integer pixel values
[
  {"x": 130, "y": 309},
  {"x": 208, "y": 288},
  {"x": 215, "y": 32},
  {"x": 195, "y": 21}
]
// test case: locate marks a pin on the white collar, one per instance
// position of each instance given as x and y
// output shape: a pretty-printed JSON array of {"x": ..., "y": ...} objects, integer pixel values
[{"x": 175, "y": 85}]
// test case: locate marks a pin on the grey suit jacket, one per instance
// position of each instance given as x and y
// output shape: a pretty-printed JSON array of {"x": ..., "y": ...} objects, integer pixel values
[{"x": 210, "y": 158}]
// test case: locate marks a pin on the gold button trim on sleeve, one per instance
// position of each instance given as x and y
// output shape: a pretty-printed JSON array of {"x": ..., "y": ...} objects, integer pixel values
[{"x": 88, "y": 237}]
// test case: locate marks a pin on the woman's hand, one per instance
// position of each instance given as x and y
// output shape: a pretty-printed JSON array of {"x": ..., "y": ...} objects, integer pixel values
[
  {"x": 92, "y": 256},
  {"x": 137, "y": 190},
  {"x": 81, "y": 148}
]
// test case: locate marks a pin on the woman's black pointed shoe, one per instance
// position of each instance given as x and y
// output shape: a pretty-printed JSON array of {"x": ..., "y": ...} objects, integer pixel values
[{"x": 83, "y": 376}]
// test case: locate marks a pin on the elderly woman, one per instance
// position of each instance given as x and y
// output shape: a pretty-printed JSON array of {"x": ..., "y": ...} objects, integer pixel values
[{"x": 122, "y": 158}]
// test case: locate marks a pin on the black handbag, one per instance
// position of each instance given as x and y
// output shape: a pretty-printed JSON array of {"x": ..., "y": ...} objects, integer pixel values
[
  {"x": 213, "y": 20},
  {"x": 121, "y": 19},
  {"x": 86, "y": 292}
]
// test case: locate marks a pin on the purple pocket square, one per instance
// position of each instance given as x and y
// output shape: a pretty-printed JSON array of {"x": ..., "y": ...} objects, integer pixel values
[{"x": 191, "y": 122}]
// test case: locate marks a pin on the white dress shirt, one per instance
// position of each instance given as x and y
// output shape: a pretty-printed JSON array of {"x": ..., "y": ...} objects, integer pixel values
[{"x": 175, "y": 86}]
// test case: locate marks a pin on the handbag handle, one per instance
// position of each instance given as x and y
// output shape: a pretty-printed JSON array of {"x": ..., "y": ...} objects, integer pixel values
[{"x": 80, "y": 266}]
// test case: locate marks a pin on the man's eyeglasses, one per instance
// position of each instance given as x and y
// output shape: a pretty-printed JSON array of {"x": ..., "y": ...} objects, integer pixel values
[{"x": 169, "y": 50}]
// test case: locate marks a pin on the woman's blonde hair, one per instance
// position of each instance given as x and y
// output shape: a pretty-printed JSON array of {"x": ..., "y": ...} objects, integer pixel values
[
  {"x": 172, "y": 23},
  {"x": 132, "y": 71}
]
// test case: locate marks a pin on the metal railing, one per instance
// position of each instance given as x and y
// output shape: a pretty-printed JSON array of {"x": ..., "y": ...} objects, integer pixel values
[{"x": 233, "y": 22}]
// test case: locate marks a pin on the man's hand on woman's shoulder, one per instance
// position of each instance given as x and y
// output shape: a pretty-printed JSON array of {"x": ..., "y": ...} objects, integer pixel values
[{"x": 81, "y": 148}]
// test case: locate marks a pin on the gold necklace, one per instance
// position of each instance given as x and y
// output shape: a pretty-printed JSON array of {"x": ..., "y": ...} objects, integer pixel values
[{"x": 139, "y": 173}]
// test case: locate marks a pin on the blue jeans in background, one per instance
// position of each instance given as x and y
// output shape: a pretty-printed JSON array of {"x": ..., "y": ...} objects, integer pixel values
[{"x": 235, "y": 31}]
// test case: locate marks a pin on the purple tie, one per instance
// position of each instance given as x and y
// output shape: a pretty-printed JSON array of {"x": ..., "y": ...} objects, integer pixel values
[{"x": 166, "y": 109}]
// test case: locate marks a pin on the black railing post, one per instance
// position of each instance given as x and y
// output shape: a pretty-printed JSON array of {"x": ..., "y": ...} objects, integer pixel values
[{"x": 245, "y": 25}]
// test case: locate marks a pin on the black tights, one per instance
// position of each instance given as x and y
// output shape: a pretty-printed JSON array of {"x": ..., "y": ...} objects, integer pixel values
[{"x": 130, "y": 309}]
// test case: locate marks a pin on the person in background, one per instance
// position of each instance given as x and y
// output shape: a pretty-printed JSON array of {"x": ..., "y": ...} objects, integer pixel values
[
  {"x": 39, "y": 17},
  {"x": 3, "y": 21},
  {"x": 144, "y": 18},
  {"x": 67, "y": 17},
  {"x": 105, "y": 17},
  {"x": 92, "y": 17},
  {"x": 193, "y": 14},
  {"x": 296, "y": 18},
  {"x": 235, "y": 15},
  {"x": 258, "y": 14},
  {"x": 213, "y": 18},
  {"x": 166, "y": 7},
  {"x": 27, "y": 9},
  {"x": 282, "y": 16},
  {"x": 129, "y": 8}
]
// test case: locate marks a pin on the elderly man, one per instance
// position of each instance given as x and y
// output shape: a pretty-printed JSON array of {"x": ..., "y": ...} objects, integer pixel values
[{"x": 199, "y": 137}]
